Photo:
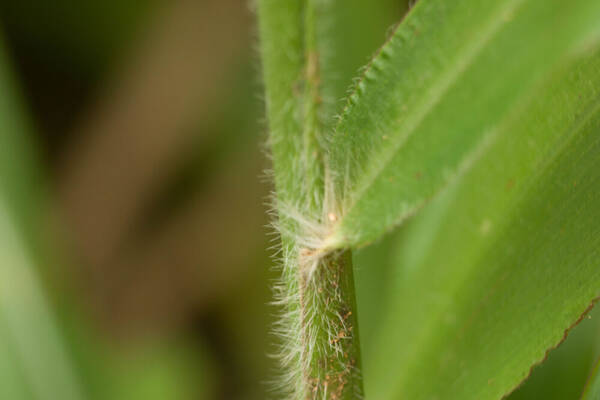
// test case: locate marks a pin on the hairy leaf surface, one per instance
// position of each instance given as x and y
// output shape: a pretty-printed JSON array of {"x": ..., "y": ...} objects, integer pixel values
[{"x": 434, "y": 97}]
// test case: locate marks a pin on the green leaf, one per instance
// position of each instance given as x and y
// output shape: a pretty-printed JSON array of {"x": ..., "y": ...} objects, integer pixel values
[
  {"x": 498, "y": 268},
  {"x": 31, "y": 326},
  {"x": 564, "y": 373},
  {"x": 41, "y": 366},
  {"x": 592, "y": 390},
  {"x": 434, "y": 97},
  {"x": 307, "y": 65},
  {"x": 350, "y": 32},
  {"x": 40, "y": 358}
]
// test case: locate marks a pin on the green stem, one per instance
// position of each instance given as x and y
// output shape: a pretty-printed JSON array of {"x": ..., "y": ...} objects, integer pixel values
[
  {"x": 331, "y": 354},
  {"x": 312, "y": 154},
  {"x": 320, "y": 350}
]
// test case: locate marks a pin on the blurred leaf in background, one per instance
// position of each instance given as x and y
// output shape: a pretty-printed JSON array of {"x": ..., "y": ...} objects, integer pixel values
[
  {"x": 592, "y": 389},
  {"x": 158, "y": 39},
  {"x": 39, "y": 354}
]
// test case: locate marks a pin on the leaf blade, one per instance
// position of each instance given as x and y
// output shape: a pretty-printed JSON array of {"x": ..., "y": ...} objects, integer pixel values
[
  {"x": 425, "y": 108},
  {"x": 503, "y": 263}
]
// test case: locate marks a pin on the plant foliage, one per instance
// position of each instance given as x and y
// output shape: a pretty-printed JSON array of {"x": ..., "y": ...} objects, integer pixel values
[{"x": 488, "y": 110}]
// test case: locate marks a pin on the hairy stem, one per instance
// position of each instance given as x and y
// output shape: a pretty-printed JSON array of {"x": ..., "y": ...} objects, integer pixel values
[
  {"x": 331, "y": 350},
  {"x": 312, "y": 154},
  {"x": 319, "y": 352}
]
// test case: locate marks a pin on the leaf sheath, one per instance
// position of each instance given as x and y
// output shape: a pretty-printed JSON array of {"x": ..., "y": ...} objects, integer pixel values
[{"x": 319, "y": 352}]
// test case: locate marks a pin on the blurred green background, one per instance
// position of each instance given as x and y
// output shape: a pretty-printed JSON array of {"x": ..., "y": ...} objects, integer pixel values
[{"x": 134, "y": 247}]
